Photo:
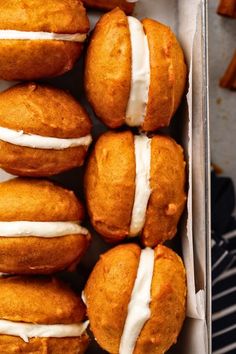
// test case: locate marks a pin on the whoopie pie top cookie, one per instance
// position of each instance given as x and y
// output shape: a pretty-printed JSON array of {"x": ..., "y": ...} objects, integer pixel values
[
  {"x": 126, "y": 5},
  {"x": 135, "y": 72},
  {"x": 40, "y": 231},
  {"x": 40, "y": 315},
  {"x": 43, "y": 130},
  {"x": 40, "y": 38},
  {"x": 136, "y": 299},
  {"x": 135, "y": 185}
]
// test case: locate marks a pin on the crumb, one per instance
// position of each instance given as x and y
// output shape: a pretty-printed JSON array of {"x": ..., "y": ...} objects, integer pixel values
[{"x": 218, "y": 170}]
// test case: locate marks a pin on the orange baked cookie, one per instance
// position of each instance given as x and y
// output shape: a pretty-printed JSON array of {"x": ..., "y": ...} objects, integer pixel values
[
  {"x": 40, "y": 38},
  {"x": 40, "y": 230},
  {"x": 43, "y": 131},
  {"x": 106, "y": 5},
  {"x": 135, "y": 185},
  {"x": 135, "y": 72},
  {"x": 136, "y": 299},
  {"x": 40, "y": 315}
]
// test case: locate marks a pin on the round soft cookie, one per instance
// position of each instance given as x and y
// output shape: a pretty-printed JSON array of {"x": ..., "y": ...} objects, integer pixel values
[
  {"x": 135, "y": 185},
  {"x": 41, "y": 315},
  {"x": 126, "y": 5},
  {"x": 40, "y": 38},
  {"x": 135, "y": 72},
  {"x": 43, "y": 131},
  {"x": 40, "y": 231},
  {"x": 136, "y": 299}
]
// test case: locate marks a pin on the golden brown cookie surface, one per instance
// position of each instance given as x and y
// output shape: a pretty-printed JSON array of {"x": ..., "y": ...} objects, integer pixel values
[
  {"x": 21, "y": 301},
  {"x": 15, "y": 345},
  {"x": 168, "y": 197},
  {"x": 43, "y": 301},
  {"x": 67, "y": 16},
  {"x": 33, "y": 59},
  {"x": 46, "y": 112},
  {"x": 39, "y": 201},
  {"x": 108, "y": 293},
  {"x": 167, "y": 75},
  {"x": 107, "y": 70},
  {"x": 110, "y": 185},
  {"x": 112, "y": 71}
]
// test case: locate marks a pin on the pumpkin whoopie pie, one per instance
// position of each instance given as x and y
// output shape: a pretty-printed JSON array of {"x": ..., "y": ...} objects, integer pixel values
[
  {"x": 40, "y": 38},
  {"x": 136, "y": 299},
  {"x": 135, "y": 72},
  {"x": 40, "y": 315},
  {"x": 40, "y": 231},
  {"x": 135, "y": 185},
  {"x": 126, "y": 5},
  {"x": 43, "y": 131}
]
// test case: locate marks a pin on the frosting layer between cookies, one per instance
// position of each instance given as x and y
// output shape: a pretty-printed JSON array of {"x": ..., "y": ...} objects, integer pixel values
[
  {"x": 32, "y": 330},
  {"x": 40, "y": 229},
  {"x": 26, "y": 35},
  {"x": 140, "y": 74},
  {"x": 41, "y": 142},
  {"x": 139, "y": 306},
  {"x": 142, "y": 147}
]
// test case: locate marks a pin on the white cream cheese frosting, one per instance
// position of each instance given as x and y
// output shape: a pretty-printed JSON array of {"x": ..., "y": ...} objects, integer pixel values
[
  {"x": 140, "y": 74},
  {"x": 27, "y": 35},
  {"x": 139, "y": 306},
  {"x": 31, "y": 330},
  {"x": 40, "y": 229},
  {"x": 41, "y": 142},
  {"x": 142, "y": 146},
  {"x": 83, "y": 297}
]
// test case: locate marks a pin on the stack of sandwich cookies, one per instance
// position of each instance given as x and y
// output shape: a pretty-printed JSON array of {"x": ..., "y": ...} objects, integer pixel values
[
  {"x": 135, "y": 72},
  {"x": 43, "y": 131},
  {"x": 125, "y": 5},
  {"x": 27, "y": 326},
  {"x": 141, "y": 193},
  {"x": 40, "y": 39},
  {"x": 40, "y": 231},
  {"x": 136, "y": 299}
]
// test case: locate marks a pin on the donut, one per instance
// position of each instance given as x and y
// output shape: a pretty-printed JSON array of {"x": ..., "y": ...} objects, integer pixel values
[
  {"x": 126, "y": 5},
  {"x": 40, "y": 231},
  {"x": 135, "y": 185},
  {"x": 40, "y": 315},
  {"x": 40, "y": 39},
  {"x": 43, "y": 131},
  {"x": 135, "y": 72},
  {"x": 136, "y": 299}
]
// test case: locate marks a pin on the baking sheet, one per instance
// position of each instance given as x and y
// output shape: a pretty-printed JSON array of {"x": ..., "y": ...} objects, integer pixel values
[{"x": 185, "y": 18}]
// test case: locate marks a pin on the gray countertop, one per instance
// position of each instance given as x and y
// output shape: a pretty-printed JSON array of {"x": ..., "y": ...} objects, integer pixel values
[{"x": 222, "y": 43}]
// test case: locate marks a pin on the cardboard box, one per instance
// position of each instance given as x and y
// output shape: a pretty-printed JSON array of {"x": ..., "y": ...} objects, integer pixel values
[{"x": 188, "y": 19}]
